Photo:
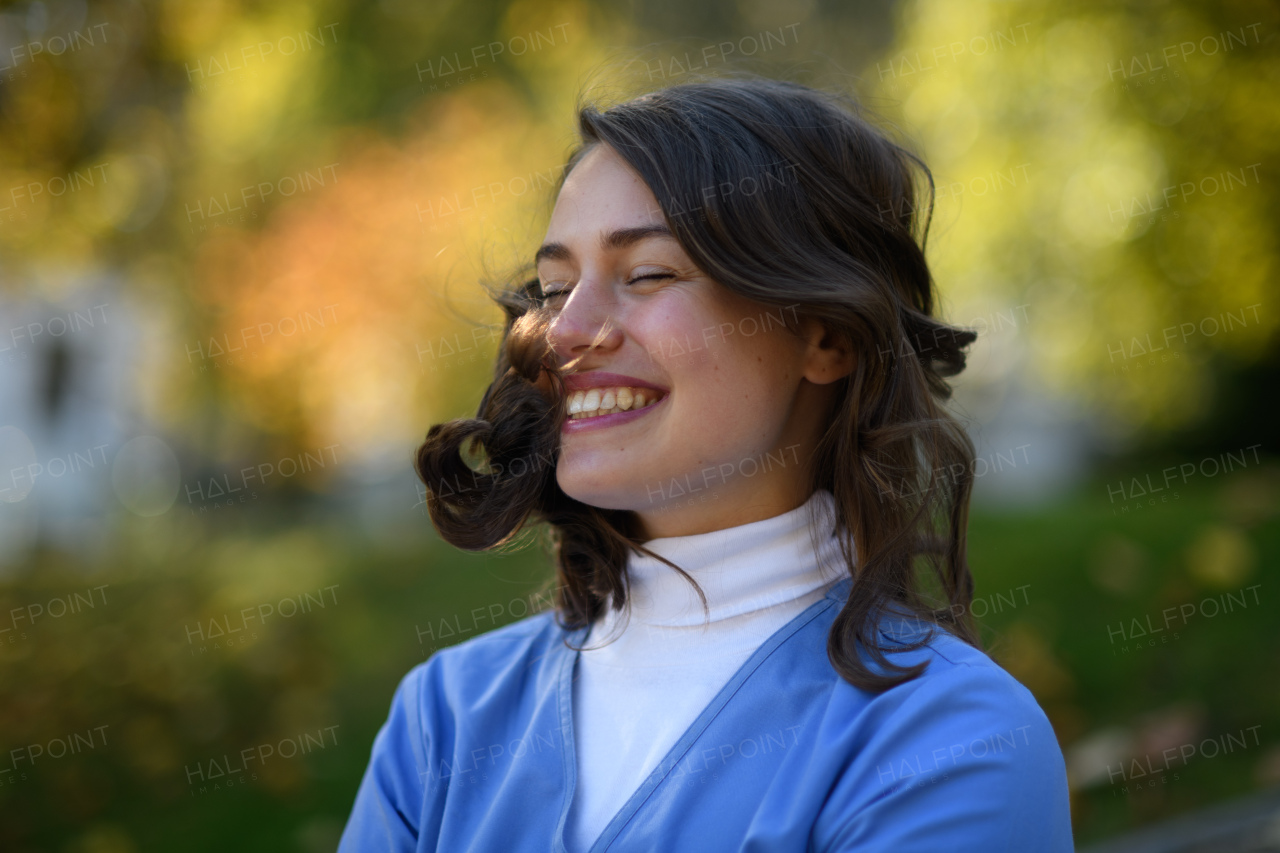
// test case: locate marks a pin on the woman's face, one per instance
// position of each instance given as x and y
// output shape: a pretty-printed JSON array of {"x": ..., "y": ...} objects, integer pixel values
[{"x": 739, "y": 398}]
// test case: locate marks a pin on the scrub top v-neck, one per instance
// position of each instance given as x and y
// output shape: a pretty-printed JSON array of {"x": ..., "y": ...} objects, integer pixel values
[
  {"x": 673, "y": 758},
  {"x": 477, "y": 754}
]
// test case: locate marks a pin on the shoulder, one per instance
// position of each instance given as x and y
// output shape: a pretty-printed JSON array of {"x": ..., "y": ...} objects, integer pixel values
[
  {"x": 966, "y": 678},
  {"x": 529, "y": 635},
  {"x": 964, "y": 744},
  {"x": 455, "y": 695},
  {"x": 956, "y": 675},
  {"x": 962, "y": 698},
  {"x": 490, "y": 665}
]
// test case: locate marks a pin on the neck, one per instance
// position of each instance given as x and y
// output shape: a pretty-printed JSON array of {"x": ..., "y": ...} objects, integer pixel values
[{"x": 731, "y": 507}]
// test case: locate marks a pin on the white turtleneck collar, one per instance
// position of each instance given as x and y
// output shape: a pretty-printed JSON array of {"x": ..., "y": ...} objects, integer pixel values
[
  {"x": 741, "y": 569},
  {"x": 641, "y": 681}
]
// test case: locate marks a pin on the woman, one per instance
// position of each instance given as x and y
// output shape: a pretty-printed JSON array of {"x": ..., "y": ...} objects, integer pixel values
[{"x": 722, "y": 393}]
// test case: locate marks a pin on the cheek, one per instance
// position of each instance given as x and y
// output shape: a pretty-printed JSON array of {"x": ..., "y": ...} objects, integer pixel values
[
  {"x": 732, "y": 391},
  {"x": 670, "y": 331},
  {"x": 730, "y": 380}
]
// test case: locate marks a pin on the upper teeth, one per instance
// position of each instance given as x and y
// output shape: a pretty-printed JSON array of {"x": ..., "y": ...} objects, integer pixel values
[{"x": 606, "y": 401}]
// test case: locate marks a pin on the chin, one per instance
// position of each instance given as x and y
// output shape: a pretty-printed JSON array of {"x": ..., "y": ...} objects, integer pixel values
[{"x": 601, "y": 491}]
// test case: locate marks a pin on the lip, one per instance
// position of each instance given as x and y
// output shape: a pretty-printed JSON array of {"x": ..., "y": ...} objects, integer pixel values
[
  {"x": 600, "y": 379},
  {"x": 616, "y": 419}
]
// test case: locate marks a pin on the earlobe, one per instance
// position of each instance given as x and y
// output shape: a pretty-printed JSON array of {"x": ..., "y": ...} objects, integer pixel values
[{"x": 830, "y": 355}]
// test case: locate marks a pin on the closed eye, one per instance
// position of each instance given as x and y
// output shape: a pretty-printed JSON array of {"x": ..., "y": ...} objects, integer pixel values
[
  {"x": 653, "y": 275},
  {"x": 564, "y": 291}
]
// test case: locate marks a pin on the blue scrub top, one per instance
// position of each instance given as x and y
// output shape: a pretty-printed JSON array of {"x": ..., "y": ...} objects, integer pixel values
[{"x": 477, "y": 755}]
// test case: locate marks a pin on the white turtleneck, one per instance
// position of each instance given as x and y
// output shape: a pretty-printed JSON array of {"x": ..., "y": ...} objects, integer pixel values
[{"x": 635, "y": 696}]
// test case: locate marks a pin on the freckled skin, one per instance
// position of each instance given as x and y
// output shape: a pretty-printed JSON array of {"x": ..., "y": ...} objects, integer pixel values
[{"x": 721, "y": 411}]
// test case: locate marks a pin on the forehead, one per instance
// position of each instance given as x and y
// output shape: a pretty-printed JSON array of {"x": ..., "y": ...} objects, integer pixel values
[{"x": 602, "y": 193}]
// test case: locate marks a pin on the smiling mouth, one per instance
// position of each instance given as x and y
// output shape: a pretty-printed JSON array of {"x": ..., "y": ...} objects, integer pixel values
[{"x": 594, "y": 402}]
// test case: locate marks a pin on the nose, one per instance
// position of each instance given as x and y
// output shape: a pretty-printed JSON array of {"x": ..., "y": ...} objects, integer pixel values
[{"x": 586, "y": 323}]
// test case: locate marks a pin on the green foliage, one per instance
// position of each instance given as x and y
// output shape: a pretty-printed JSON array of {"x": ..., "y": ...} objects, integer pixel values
[{"x": 1109, "y": 169}]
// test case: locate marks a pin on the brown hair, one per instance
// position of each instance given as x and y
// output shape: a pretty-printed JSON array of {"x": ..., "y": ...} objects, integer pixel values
[{"x": 831, "y": 226}]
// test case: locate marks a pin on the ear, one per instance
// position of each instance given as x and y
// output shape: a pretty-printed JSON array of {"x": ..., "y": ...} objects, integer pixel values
[{"x": 828, "y": 356}]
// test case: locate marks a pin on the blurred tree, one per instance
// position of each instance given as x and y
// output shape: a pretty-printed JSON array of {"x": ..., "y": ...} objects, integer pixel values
[{"x": 1110, "y": 168}]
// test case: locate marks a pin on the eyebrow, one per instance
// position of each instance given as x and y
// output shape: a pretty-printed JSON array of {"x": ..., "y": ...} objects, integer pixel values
[{"x": 619, "y": 239}]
